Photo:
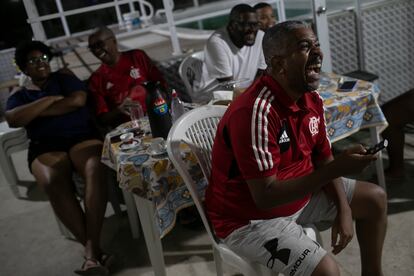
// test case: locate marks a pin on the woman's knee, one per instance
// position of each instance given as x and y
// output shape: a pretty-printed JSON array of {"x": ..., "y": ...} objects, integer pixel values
[
  {"x": 94, "y": 168},
  {"x": 326, "y": 267},
  {"x": 51, "y": 171},
  {"x": 51, "y": 180},
  {"x": 87, "y": 160}
]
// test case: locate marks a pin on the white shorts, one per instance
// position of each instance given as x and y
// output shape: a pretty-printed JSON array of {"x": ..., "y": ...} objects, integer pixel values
[{"x": 281, "y": 244}]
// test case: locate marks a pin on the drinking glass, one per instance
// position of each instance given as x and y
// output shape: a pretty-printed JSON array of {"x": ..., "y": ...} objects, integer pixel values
[
  {"x": 135, "y": 113},
  {"x": 240, "y": 86}
]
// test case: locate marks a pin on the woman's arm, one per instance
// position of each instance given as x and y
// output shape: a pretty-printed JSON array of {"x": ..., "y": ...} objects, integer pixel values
[
  {"x": 24, "y": 114},
  {"x": 67, "y": 104}
]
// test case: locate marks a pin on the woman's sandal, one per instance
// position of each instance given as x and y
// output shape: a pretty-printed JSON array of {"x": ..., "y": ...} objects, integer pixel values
[
  {"x": 92, "y": 266},
  {"x": 107, "y": 260}
]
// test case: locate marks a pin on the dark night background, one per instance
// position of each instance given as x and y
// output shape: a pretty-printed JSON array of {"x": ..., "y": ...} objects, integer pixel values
[{"x": 14, "y": 26}]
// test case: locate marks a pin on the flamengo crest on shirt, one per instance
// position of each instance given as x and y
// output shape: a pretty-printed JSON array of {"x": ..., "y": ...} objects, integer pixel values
[
  {"x": 109, "y": 85},
  {"x": 314, "y": 125},
  {"x": 134, "y": 73}
]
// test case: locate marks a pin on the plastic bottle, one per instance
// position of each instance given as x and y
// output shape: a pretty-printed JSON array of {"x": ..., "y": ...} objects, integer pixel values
[
  {"x": 157, "y": 110},
  {"x": 177, "y": 107}
]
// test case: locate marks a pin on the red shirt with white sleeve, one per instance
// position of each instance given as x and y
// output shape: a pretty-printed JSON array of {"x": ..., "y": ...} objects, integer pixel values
[{"x": 263, "y": 133}]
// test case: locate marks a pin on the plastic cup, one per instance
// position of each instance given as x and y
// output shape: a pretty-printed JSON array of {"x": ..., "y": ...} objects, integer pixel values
[
  {"x": 157, "y": 145},
  {"x": 135, "y": 114}
]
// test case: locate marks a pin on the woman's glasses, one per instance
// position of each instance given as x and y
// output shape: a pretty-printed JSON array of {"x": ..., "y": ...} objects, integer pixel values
[{"x": 35, "y": 60}]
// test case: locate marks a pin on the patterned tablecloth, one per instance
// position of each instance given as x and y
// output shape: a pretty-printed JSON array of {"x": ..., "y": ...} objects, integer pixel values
[
  {"x": 348, "y": 112},
  {"x": 154, "y": 177},
  {"x": 150, "y": 175}
]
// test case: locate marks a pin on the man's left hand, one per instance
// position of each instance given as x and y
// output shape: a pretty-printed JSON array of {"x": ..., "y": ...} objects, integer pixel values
[{"x": 343, "y": 229}]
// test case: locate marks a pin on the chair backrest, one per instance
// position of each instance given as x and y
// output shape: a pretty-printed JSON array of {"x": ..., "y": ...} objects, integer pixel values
[
  {"x": 11, "y": 140},
  {"x": 196, "y": 128},
  {"x": 190, "y": 70}
]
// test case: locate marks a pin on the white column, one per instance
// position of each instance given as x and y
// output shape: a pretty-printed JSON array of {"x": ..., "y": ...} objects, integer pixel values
[
  {"x": 118, "y": 14},
  {"x": 199, "y": 22},
  {"x": 281, "y": 13},
  {"x": 171, "y": 25},
  {"x": 360, "y": 38},
  {"x": 321, "y": 22},
  {"x": 131, "y": 6},
  {"x": 63, "y": 18},
  {"x": 32, "y": 13},
  {"x": 144, "y": 17}
]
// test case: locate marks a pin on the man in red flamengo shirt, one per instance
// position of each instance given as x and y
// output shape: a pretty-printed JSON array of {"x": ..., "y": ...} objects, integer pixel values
[
  {"x": 118, "y": 81},
  {"x": 273, "y": 170}
]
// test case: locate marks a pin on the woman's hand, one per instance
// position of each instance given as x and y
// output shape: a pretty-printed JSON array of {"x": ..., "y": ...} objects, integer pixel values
[{"x": 56, "y": 98}]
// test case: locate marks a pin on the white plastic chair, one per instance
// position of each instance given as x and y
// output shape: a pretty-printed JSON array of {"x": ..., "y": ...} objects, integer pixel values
[
  {"x": 14, "y": 140},
  {"x": 190, "y": 70},
  {"x": 197, "y": 128}
]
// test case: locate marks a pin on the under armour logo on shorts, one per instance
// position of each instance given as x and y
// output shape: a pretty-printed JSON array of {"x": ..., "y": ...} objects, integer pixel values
[{"x": 282, "y": 254}]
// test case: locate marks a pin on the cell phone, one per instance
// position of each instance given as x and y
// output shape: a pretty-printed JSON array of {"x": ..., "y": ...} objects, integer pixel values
[
  {"x": 347, "y": 86},
  {"x": 381, "y": 145}
]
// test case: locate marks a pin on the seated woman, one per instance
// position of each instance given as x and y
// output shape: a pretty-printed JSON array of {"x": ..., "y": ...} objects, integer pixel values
[{"x": 62, "y": 140}]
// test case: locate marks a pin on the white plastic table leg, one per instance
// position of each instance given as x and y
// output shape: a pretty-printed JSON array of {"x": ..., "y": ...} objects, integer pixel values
[
  {"x": 378, "y": 164},
  {"x": 152, "y": 238},
  {"x": 132, "y": 213}
]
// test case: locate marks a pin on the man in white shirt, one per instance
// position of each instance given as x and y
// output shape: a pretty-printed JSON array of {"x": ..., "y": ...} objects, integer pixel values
[{"x": 233, "y": 52}]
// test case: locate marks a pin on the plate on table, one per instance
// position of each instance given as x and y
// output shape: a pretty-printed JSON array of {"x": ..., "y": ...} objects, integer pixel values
[
  {"x": 160, "y": 153},
  {"x": 130, "y": 145}
]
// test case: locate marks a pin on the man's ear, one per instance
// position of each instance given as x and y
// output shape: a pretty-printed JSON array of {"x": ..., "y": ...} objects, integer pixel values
[
  {"x": 278, "y": 64},
  {"x": 231, "y": 26}
]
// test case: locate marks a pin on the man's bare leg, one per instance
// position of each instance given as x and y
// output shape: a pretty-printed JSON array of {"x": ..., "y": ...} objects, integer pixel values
[
  {"x": 326, "y": 267},
  {"x": 369, "y": 208}
]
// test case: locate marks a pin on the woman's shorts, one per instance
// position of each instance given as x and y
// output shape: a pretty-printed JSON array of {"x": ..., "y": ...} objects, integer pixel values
[{"x": 54, "y": 144}]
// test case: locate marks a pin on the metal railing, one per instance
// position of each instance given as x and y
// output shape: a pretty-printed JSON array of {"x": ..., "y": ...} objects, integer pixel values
[{"x": 179, "y": 17}]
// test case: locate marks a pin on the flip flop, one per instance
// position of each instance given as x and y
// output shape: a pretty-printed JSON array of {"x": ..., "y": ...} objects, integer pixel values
[
  {"x": 107, "y": 259},
  {"x": 95, "y": 269}
]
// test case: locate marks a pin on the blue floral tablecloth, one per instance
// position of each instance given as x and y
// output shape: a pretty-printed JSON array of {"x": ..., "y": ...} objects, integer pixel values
[
  {"x": 348, "y": 112},
  {"x": 151, "y": 176}
]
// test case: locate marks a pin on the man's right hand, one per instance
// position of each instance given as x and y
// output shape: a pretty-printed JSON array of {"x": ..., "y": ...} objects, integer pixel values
[
  {"x": 124, "y": 106},
  {"x": 353, "y": 160}
]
